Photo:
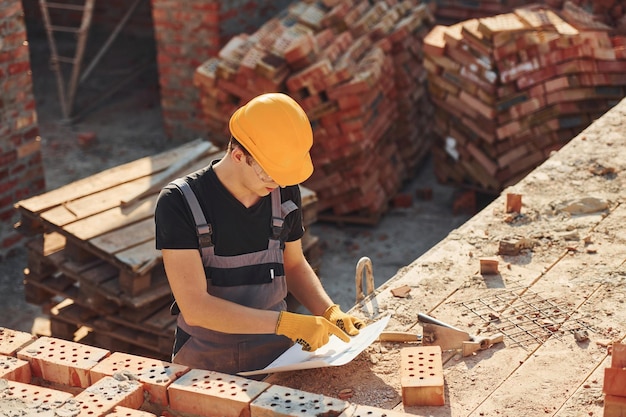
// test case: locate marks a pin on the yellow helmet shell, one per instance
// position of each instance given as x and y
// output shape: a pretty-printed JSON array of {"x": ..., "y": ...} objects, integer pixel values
[{"x": 277, "y": 133}]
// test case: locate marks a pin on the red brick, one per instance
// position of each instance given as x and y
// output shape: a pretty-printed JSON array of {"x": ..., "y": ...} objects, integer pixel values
[
  {"x": 282, "y": 402},
  {"x": 14, "y": 369},
  {"x": 103, "y": 396},
  {"x": 614, "y": 406},
  {"x": 490, "y": 166},
  {"x": 19, "y": 67},
  {"x": 611, "y": 66},
  {"x": 513, "y": 203},
  {"x": 422, "y": 376},
  {"x": 12, "y": 340},
  {"x": 62, "y": 361},
  {"x": 488, "y": 266},
  {"x": 402, "y": 200},
  {"x": 434, "y": 43},
  {"x": 482, "y": 108},
  {"x": 615, "y": 381},
  {"x": 37, "y": 400},
  {"x": 212, "y": 393},
  {"x": 618, "y": 355},
  {"x": 154, "y": 374},
  {"x": 465, "y": 202}
]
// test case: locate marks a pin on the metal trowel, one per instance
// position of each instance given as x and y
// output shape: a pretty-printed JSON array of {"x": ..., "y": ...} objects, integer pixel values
[{"x": 438, "y": 333}]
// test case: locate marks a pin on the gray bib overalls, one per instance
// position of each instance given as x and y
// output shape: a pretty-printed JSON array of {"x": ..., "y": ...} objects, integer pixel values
[{"x": 201, "y": 348}]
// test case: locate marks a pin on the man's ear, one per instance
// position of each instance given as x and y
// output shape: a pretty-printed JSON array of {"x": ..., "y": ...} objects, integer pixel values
[{"x": 238, "y": 155}]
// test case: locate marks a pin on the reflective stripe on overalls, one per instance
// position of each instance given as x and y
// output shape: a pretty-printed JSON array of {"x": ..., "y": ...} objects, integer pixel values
[{"x": 225, "y": 352}]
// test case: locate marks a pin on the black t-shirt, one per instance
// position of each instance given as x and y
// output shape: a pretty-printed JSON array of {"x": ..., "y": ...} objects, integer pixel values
[{"x": 236, "y": 229}]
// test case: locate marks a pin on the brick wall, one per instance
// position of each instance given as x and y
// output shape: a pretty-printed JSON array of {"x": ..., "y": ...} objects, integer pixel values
[
  {"x": 187, "y": 34},
  {"x": 21, "y": 168}
]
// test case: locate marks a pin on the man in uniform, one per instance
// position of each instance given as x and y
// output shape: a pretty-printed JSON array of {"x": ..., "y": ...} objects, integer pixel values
[{"x": 230, "y": 236}]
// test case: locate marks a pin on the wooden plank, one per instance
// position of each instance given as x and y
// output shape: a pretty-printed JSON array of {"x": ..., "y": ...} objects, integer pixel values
[
  {"x": 117, "y": 241},
  {"x": 91, "y": 204},
  {"x": 162, "y": 321},
  {"x": 141, "y": 257},
  {"x": 112, "y": 219},
  {"x": 137, "y": 315},
  {"x": 103, "y": 180}
]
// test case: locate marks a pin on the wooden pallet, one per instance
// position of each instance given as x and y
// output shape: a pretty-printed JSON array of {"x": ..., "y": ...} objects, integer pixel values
[{"x": 153, "y": 337}]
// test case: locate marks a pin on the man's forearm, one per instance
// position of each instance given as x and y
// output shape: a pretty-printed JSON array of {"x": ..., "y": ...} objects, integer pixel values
[
  {"x": 306, "y": 287},
  {"x": 227, "y": 317}
]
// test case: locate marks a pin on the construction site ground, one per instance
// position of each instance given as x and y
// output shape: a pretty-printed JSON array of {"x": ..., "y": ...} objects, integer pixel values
[{"x": 559, "y": 302}]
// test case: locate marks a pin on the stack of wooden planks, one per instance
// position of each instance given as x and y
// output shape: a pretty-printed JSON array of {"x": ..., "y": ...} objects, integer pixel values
[
  {"x": 356, "y": 69},
  {"x": 511, "y": 88},
  {"x": 92, "y": 262}
]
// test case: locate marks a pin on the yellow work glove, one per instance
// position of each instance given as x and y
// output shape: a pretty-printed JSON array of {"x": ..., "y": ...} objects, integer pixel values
[
  {"x": 312, "y": 332},
  {"x": 345, "y": 322}
]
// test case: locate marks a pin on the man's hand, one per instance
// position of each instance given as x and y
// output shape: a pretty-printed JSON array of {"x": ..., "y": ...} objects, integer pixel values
[
  {"x": 312, "y": 332},
  {"x": 345, "y": 322}
]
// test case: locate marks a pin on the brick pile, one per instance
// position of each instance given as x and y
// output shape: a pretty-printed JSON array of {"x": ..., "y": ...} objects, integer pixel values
[
  {"x": 511, "y": 88},
  {"x": 187, "y": 34},
  {"x": 21, "y": 167},
  {"x": 49, "y": 376},
  {"x": 356, "y": 70}
]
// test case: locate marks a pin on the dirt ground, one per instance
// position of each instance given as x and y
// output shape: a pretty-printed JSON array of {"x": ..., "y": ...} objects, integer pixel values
[{"x": 128, "y": 125}]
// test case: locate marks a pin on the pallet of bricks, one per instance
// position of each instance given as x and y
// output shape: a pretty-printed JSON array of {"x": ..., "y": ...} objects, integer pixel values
[
  {"x": 92, "y": 262},
  {"x": 355, "y": 67},
  {"x": 510, "y": 89}
]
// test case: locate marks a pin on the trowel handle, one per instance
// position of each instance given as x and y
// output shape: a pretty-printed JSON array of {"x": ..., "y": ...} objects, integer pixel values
[{"x": 427, "y": 319}]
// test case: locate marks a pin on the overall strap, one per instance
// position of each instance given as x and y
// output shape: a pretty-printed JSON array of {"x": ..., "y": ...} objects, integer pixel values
[
  {"x": 203, "y": 229},
  {"x": 279, "y": 212}
]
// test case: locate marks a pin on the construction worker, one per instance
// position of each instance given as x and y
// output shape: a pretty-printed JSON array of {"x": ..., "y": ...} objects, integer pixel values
[{"x": 230, "y": 235}]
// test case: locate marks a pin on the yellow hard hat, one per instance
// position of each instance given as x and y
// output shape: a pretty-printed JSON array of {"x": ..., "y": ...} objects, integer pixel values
[{"x": 277, "y": 133}]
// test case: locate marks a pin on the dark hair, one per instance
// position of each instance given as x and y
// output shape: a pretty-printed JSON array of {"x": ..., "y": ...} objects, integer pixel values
[{"x": 232, "y": 143}]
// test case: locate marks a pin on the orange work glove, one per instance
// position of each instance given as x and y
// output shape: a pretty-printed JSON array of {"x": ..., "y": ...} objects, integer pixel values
[
  {"x": 312, "y": 332},
  {"x": 345, "y": 322}
]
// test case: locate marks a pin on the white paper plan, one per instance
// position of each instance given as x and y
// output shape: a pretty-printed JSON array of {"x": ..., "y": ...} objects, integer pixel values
[{"x": 334, "y": 353}]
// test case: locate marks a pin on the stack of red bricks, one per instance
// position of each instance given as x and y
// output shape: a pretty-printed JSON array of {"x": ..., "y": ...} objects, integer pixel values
[
  {"x": 614, "y": 386},
  {"x": 49, "y": 376},
  {"x": 356, "y": 70},
  {"x": 511, "y": 88}
]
